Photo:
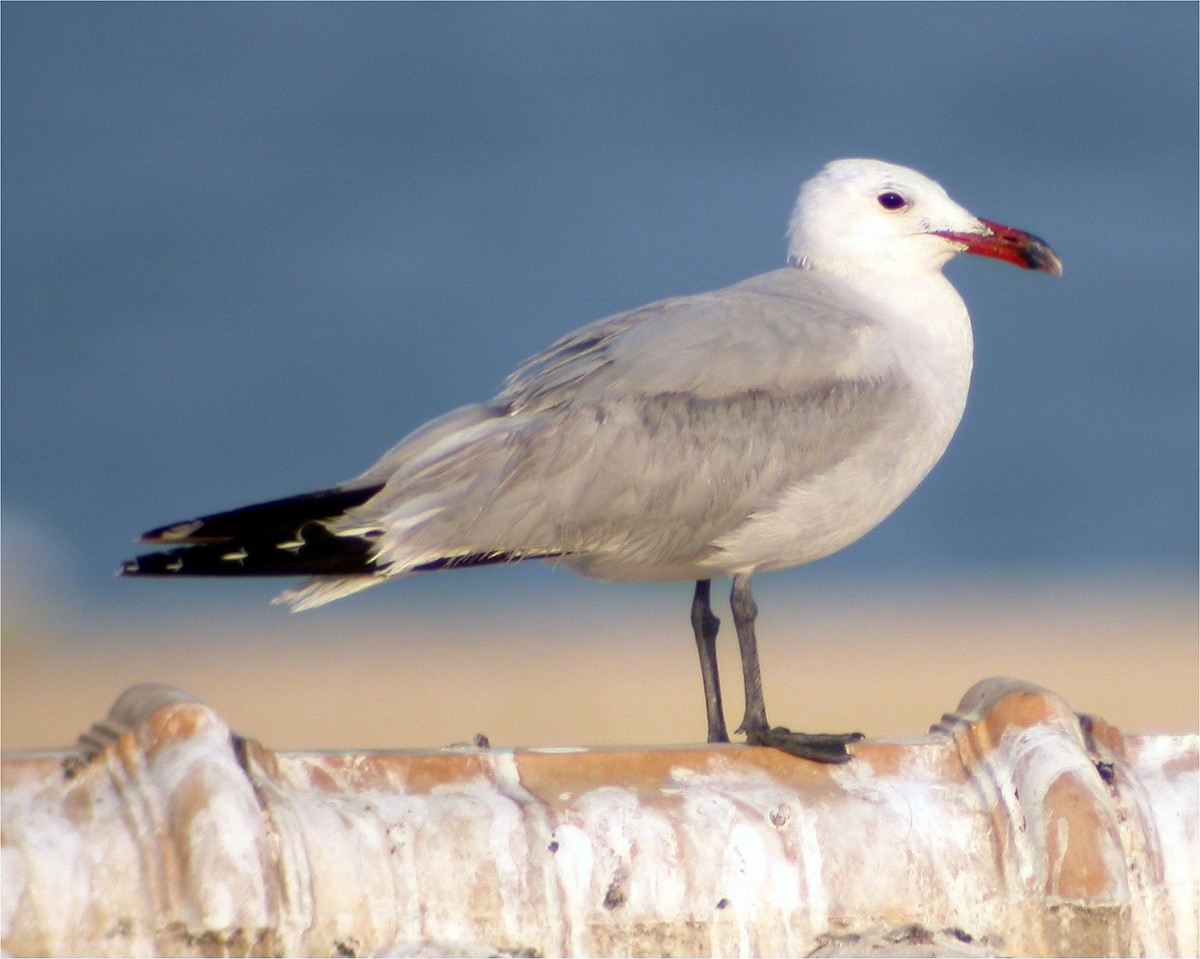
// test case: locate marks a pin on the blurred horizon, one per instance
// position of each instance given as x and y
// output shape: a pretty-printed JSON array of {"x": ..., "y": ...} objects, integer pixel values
[{"x": 887, "y": 659}]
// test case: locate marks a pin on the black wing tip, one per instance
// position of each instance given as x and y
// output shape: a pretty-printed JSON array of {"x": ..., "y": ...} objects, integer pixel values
[
  {"x": 171, "y": 563},
  {"x": 261, "y": 518},
  {"x": 151, "y": 564},
  {"x": 328, "y": 556},
  {"x": 283, "y": 537},
  {"x": 173, "y": 533},
  {"x": 318, "y": 553}
]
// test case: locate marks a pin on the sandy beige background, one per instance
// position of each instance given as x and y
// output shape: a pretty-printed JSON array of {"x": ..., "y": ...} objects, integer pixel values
[{"x": 625, "y": 673}]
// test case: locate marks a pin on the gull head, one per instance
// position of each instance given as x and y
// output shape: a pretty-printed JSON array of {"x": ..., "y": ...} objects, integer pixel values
[{"x": 867, "y": 216}]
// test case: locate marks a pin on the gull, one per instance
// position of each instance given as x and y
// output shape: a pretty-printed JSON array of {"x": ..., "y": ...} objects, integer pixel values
[{"x": 749, "y": 429}]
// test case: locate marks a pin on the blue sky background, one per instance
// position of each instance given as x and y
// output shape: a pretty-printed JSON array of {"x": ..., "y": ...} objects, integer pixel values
[{"x": 247, "y": 247}]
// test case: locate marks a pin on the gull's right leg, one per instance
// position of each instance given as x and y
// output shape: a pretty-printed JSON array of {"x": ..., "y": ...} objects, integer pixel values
[{"x": 705, "y": 625}]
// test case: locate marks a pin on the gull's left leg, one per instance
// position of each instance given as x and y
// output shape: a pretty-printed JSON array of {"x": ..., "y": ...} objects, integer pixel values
[{"x": 819, "y": 747}]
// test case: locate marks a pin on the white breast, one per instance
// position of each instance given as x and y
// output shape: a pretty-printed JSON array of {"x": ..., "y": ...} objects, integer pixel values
[{"x": 929, "y": 330}]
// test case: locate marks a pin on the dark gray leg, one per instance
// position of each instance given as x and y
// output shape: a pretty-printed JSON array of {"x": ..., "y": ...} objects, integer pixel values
[
  {"x": 705, "y": 625},
  {"x": 745, "y": 611},
  {"x": 824, "y": 748}
]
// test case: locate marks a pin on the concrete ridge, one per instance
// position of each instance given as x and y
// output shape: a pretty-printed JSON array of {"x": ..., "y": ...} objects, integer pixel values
[{"x": 1013, "y": 828}]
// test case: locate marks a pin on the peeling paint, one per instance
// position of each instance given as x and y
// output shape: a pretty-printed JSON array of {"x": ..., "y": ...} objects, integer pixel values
[{"x": 993, "y": 835}]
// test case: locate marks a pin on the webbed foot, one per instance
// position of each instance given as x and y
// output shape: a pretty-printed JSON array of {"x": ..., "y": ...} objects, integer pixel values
[{"x": 818, "y": 747}]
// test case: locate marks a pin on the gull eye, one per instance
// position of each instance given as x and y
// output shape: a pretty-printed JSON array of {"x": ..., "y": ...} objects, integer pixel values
[{"x": 892, "y": 201}]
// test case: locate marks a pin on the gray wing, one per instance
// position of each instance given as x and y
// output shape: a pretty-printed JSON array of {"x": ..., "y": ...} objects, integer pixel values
[
  {"x": 642, "y": 438},
  {"x": 787, "y": 331}
]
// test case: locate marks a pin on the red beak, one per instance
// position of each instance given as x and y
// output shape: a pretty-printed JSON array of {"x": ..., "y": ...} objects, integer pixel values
[{"x": 1012, "y": 246}]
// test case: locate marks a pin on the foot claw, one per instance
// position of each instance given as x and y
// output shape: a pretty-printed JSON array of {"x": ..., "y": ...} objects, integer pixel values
[{"x": 817, "y": 747}]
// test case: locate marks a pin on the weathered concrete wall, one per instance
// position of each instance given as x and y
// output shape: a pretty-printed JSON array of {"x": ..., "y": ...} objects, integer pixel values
[{"x": 1011, "y": 829}]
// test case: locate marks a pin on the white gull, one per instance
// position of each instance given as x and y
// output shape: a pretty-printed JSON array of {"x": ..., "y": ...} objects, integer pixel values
[{"x": 753, "y": 428}]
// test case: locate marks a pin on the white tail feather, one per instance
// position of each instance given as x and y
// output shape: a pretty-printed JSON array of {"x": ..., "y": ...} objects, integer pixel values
[{"x": 325, "y": 589}]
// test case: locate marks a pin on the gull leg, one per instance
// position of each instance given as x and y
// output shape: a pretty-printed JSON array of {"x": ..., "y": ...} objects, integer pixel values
[
  {"x": 819, "y": 747},
  {"x": 705, "y": 625},
  {"x": 745, "y": 611}
]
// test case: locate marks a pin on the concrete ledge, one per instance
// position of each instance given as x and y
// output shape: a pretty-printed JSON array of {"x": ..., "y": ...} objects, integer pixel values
[{"x": 1013, "y": 828}]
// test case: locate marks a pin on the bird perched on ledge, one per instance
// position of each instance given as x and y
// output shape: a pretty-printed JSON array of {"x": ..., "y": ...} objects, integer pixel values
[{"x": 753, "y": 428}]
